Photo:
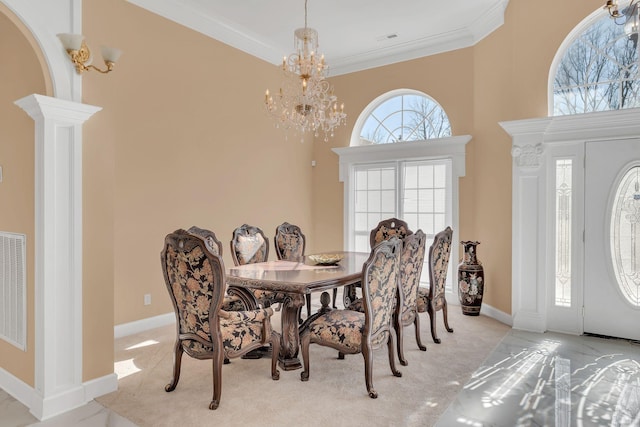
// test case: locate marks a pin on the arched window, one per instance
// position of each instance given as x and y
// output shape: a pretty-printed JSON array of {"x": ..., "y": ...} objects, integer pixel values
[
  {"x": 402, "y": 115},
  {"x": 403, "y": 163},
  {"x": 596, "y": 69}
]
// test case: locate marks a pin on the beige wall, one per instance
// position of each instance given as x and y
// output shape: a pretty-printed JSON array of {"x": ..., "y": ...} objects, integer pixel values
[
  {"x": 20, "y": 75},
  {"x": 183, "y": 140}
]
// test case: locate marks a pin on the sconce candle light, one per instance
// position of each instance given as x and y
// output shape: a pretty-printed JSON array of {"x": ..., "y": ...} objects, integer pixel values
[{"x": 81, "y": 56}]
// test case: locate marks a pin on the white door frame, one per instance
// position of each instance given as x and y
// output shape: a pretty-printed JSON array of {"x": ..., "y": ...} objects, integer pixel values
[{"x": 536, "y": 144}]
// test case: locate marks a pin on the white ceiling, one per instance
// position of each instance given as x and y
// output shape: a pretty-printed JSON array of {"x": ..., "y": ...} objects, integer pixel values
[{"x": 353, "y": 34}]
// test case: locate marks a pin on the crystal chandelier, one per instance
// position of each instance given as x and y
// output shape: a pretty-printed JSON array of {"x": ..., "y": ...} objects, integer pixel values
[
  {"x": 629, "y": 16},
  {"x": 305, "y": 102}
]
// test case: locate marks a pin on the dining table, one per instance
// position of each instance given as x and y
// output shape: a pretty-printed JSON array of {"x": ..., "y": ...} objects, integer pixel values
[{"x": 296, "y": 280}]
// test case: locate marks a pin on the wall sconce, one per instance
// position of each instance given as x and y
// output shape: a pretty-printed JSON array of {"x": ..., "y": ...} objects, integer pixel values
[{"x": 81, "y": 55}]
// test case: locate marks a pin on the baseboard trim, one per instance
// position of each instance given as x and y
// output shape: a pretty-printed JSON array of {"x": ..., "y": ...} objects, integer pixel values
[
  {"x": 17, "y": 388},
  {"x": 494, "y": 313},
  {"x": 126, "y": 329},
  {"x": 45, "y": 408},
  {"x": 100, "y": 386}
]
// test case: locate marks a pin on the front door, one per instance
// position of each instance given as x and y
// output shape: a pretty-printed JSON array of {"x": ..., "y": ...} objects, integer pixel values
[{"x": 612, "y": 238}]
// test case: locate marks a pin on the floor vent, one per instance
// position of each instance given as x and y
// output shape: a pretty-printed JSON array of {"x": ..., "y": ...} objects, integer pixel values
[{"x": 13, "y": 289}]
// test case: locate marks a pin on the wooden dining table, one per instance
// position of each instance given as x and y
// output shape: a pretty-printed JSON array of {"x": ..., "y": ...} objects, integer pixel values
[{"x": 296, "y": 280}]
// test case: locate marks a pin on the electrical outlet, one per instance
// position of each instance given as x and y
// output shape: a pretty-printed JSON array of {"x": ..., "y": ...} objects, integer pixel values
[{"x": 147, "y": 299}]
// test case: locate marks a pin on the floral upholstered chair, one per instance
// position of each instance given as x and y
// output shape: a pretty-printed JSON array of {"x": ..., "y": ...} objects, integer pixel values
[
  {"x": 235, "y": 299},
  {"x": 249, "y": 246},
  {"x": 352, "y": 332},
  {"x": 385, "y": 229},
  {"x": 388, "y": 228},
  {"x": 433, "y": 299},
  {"x": 290, "y": 244},
  {"x": 411, "y": 262},
  {"x": 195, "y": 279}
]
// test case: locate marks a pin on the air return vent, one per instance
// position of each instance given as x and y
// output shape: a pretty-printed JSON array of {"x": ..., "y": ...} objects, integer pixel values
[{"x": 13, "y": 289}]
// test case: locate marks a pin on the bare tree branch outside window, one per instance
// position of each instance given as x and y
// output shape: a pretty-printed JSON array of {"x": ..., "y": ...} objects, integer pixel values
[
  {"x": 598, "y": 72},
  {"x": 406, "y": 118}
]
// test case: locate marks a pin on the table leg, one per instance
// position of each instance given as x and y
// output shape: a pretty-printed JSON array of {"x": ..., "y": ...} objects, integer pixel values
[{"x": 288, "y": 358}]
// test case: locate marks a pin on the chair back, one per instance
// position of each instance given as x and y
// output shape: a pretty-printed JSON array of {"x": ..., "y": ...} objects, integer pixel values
[
  {"x": 289, "y": 242},
  {"x": 439, "y": 254},
  {"x": 249, "y": 245},
  {"x": 380, "y": 278},
  {"x": 388, "y": 228},
  {"x": 411, "y": 263},
  {"x": 211, "y": 241},
  {"x": 195, "y": 280}
]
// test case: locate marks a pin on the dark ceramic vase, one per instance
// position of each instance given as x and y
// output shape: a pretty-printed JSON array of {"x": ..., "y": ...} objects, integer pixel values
[{"x": 470, "y": 280}]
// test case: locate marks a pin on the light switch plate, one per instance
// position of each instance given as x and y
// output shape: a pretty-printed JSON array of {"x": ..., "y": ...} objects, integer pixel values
[{"x": 0, "y": 173}]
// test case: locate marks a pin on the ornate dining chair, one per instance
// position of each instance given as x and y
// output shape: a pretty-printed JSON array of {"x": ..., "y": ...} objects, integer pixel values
[
  {"x": 235, "y": 299},
  {"x": 290, "y": 244},
  {"x": 432, "y": 299},
  {"x": 411, "y": 262},
  {"x": 248, "y": 246},
  {"x": 385, "y": 229},
  {"x": 195, "y": 279},
  {"x": 388, "y": 228},
  {"x": 352, "y": 332}
]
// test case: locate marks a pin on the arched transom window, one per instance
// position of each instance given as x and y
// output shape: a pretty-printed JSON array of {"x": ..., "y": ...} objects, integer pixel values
[
  {"x": 407, "y": 116},
  {"x": 598, "y": 68}
]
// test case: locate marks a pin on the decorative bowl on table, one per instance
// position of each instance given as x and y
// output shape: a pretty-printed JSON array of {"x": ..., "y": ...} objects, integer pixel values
[{"x": 326, "y": 259}]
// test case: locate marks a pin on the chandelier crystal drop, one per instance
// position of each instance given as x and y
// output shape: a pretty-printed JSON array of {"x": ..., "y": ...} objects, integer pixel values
[{"x": 305, "y": 101}]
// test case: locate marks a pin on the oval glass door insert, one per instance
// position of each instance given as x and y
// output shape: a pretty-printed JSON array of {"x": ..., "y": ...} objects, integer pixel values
[{"x": 625, "y": 235}]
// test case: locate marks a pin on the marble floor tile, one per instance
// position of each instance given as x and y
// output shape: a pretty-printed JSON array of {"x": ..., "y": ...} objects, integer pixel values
[{"x": 552, "y": 380}]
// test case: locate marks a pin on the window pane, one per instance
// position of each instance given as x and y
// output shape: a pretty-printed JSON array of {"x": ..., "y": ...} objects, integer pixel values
[
  {"x": 362, "y": 243},
  {"x": 360, "y": 222},
  {"x": 361, "y": 180},
  {"x": 410, "y": 177},
  {"x": 361, "y": 201},
  {"x": 439, "y": 197},
  {"x": 388, "y": 179},
  {"x": 373, "y": 201},
  {"x": 410, "y": 201},
  {"x": 563, "y": 233},
  {"x": 373, "y": 179},
  {"x": 625, "y": 235},
  {"x": 426, "y": 202},
  {"x": 388, "y": 201},
  {"x": 426, "y": 176}
]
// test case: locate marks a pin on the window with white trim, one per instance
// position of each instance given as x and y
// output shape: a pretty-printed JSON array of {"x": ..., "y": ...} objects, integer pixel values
[{"x": 410, "y": 173}]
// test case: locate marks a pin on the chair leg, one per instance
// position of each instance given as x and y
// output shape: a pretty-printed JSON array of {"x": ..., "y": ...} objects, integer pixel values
[
  {"x": 416, "y": 323},
  {"x": 445, "y": 317},
  {"x": 275, "y": 351},
  {"x": 392, "y": 358},
  {"x": 368, "y": 371},
  {"x": 335, "y": 296},
  {"x": 177, "y": 361},
  {"x": 432, "y": 319},
  {"x": 217, "y": 361},
  {"x": 305, "y": 340},
  {"x": 308, "y": 298},
  {"x": 397, "y": 324}
]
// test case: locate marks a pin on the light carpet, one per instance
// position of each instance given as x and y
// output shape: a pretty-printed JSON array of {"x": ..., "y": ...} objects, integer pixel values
[{"x": 335, "y": 394}]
